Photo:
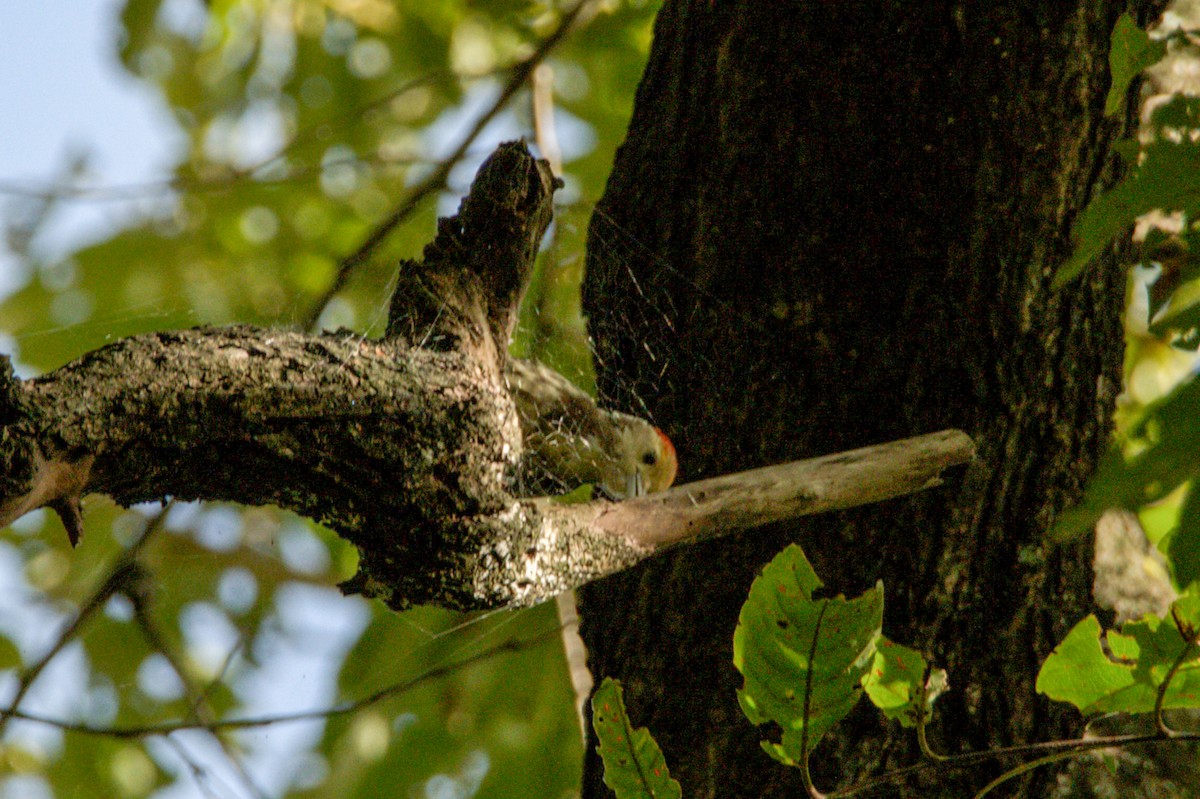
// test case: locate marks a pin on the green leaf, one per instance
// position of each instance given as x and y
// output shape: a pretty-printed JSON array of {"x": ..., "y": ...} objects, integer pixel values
[
  {"x": 1179, "y": 113},
  {"x": 1079, "y": 671},
  {"x": 634, "y": 766},
  {"x": 1128, "y": 149},
  {"x": 803, "y": 659},
  {"x": 137, "y": 27},
  {"x": 10, "y": 656},
  {"x": 1131, "y": 52},
  {"x": 893, "y": 683},
  {"x": 1183, "y": 546},
  {"x": 1174, "y": 295},
  {"x": 1182, "y": 315},
  {"x": 1166, "y": 179},
  {"x": 1171, "y": 428},
  {"x": 1185, "y": 611},
  {"x": 1161, "y": 175}
]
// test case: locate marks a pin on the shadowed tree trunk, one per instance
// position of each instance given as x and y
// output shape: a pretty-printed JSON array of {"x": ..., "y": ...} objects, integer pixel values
[{"x": 849, "y": 215}]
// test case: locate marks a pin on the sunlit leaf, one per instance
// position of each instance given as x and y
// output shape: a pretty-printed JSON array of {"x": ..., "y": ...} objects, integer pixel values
[
  {"x": 893, "y": 683},
  {"x": 1127, "y": 677}
]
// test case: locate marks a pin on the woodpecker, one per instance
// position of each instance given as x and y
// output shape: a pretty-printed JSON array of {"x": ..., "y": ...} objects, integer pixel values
[{"x": 570, "y": 441}]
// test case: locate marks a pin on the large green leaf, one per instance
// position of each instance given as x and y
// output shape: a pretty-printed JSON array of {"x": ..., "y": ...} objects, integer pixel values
[
  {"x": 803, "y": 659},
  {"x": 634, "y": 766},
  {"x": 1167, "y": 178},
  {"x": 1127, "y": 678},
  {"x": 1160, "y": 175}
]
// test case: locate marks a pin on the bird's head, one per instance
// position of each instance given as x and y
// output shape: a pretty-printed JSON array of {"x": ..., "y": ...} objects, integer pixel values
[{"x": 647, "y": 461}]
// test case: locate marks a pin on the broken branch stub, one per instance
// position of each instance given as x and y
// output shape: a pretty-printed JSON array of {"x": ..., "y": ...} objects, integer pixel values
[
  {"x": 406, "y": 446},
  {"x": 466, "y": 291}
]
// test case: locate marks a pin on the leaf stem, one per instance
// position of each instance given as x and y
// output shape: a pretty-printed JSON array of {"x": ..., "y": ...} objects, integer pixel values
[
  {"x": 1189, "y": 648},
  {"x": 1024, "y": 768},
  {"x": 923, "y": 717}
]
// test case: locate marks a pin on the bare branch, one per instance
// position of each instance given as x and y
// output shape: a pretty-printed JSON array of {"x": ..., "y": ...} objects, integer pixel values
[
  {"x": 348, "y": 708},
  {"x": 739, "y": 501},
  {"x": 121, "y": 578}
]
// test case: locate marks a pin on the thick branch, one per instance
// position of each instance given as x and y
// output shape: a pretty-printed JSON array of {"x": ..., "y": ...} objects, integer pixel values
[
  {"x": 466, "y": 291},
  {"x": 407, "y": 446},
  {"x": 405, "y": 452}
]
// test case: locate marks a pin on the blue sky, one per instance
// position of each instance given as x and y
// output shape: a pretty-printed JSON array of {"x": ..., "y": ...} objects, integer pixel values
[{"x": 62, "y": 91}]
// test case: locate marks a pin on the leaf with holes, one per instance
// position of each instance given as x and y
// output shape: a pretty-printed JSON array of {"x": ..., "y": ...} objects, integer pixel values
[
  {"x": 803, "y": 659},
  {"x": 1126, "y": 675},
  {"x": 634, "y": 766}
]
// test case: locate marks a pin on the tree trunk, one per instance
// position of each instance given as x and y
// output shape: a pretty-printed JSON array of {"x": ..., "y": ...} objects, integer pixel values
[{"x": 834, "y": 225}]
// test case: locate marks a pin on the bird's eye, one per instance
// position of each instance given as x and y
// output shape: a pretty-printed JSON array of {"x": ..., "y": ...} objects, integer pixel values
[{"x": 649, "y": 459}]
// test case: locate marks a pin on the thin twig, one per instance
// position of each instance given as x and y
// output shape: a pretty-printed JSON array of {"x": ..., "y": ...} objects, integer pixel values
[
  {"x": 219, "y": 678},
  {"x": 120, "y": 577},
  {"x": 1024, "y": 768},
  {"x": 969, "y": 759},
  {"x": 130, "y": 191},
  {"x": 396, "y": 689},
  {"x": 199, "y": 709},
  {"x": 200, "y": 774}
]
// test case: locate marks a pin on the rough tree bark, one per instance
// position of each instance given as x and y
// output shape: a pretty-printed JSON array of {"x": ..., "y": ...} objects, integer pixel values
[
  {"x": 850, "y": 214},
  {"x": 407, "y": 445}
]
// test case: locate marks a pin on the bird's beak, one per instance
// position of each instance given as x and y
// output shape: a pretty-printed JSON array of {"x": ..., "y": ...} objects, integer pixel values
[{"x": 635, "y": 486}]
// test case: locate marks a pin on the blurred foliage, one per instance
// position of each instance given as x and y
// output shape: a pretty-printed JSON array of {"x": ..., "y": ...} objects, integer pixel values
[
  {"x": 1152, "y": 466},
  {"x": 301, "y": 125}
]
